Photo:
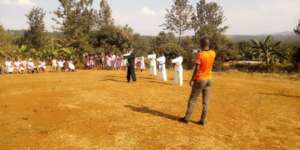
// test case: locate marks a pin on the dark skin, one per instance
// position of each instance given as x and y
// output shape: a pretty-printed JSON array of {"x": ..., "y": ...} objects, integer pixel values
[{"x": 197, "y": 67}]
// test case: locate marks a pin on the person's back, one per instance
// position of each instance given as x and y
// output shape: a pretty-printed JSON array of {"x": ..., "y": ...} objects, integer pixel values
[{"x": 205, "y": 59}]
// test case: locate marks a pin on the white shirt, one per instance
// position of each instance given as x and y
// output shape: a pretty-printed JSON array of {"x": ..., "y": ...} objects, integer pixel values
[{"x": 178, "y": 63}]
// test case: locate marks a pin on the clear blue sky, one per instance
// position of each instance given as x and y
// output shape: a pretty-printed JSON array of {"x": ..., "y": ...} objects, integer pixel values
[{"x": 145, "y": 16}]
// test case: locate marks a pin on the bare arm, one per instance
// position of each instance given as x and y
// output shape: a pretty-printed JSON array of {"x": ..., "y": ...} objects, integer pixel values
[{"x": 196, "y": 67}]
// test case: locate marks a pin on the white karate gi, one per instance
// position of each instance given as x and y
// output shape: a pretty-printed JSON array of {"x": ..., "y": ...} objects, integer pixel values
[
  {"x": 54, "y": 64},
  {"x": 60, "y": 64},
  {"x": 18, "y": 66},
  {"x": 71, "y": 66},
  {"x": 42, "y": 65},
  {"x": 178, "y": 75},
  {"x": 30, "y": 66},
  {"x": 142, "y": 61},
  {"x": 9, "y": 66},
  {"x": 153, "y": 69},
  {"x": 162, "y": 68}
]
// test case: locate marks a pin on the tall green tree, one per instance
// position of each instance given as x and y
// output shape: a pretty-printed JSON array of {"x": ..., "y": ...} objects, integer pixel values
[
  {"x": 208, "y": 19},
  {"x": 104, "y": 17},
  {"x": 178, "y": 18},
  {"x": 6, "y": 43},
  {"x": 76, "y": 20},
  {"x": 35, "y": 37}
]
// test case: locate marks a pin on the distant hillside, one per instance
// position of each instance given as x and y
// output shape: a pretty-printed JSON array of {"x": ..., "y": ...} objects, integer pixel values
[{"x": 286, "y": 37}]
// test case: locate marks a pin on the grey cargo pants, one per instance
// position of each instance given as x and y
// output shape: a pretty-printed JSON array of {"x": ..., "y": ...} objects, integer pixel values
[{"x": 201, "y": 86}]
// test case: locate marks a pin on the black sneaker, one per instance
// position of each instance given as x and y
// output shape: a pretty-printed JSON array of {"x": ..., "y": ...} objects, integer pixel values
[
  {"x": 202, "y": 123},
  {"x": 183, "y": 120}
]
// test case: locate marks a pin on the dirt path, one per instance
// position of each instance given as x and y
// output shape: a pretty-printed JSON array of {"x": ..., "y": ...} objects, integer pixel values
[{"x": 99, "y": 110}]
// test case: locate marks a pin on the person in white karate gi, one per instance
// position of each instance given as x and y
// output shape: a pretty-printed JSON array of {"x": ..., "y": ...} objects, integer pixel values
[
  {"x": 9, "y": 67},
  {"x": 18, "y": 66},
  {"x": 142, "y": 63},
  {"x": 162, "y": 67},
  {"x": 54, "y": 65},
  {"x": 178, "y": 74},
  {"x": 31, "y": 68},
  {"x": 42, "y": 66},
  {"x": 153, "y": 69},
  {"x": 61, "y": 65},
  {"x": 71, "y": 66}
]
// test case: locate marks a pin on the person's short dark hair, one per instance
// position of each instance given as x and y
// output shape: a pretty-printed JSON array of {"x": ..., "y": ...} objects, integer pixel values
[{"x": 204, "y": 42}]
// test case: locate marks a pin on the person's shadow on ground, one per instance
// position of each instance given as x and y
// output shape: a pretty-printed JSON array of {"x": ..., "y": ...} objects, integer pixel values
[{"x": 147, "y": 110}]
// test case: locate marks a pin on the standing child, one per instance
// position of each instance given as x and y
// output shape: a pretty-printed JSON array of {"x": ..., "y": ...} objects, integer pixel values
[
  {"x": 9, "y": 67},
  {"x": 31, "y": 66},
  {"x": 42, "y": 66},
  {"x": 153, "y": 69},
  {"x": 201, "y": 80},
  {"x": 178, "y": 75},
  {"x": 162, "y": 67}
]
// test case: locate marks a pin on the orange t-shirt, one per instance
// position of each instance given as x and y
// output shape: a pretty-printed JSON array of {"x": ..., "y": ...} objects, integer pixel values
[{"x": 205, "y": 60}]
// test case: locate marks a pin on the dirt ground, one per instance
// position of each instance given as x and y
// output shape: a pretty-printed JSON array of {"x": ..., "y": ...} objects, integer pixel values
[{"x": 98, "y": 110}]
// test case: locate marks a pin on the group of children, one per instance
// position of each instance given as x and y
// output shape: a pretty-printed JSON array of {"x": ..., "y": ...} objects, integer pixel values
[
  {"x": 110, "y": 62},
  {"x": 161, "y": 63},
  {"x": 30, "y": 66}
]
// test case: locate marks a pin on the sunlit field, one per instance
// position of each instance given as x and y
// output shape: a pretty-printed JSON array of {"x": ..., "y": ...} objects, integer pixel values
[{"x": 100, "y": 110}]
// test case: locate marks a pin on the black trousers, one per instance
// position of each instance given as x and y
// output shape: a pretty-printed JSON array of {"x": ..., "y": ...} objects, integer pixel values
[{"x": 131, "y": 73}]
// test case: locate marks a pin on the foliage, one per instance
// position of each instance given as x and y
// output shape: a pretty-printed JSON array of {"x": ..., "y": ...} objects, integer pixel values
[
  {"x": 178, "y": 18},
  {"x": 35, "y": 37},
  {"x": 75, "y": 19},
  {"x": 270, "y": 52},
  {"x": 112, "y": 38},
  {"x": 104, "y": 16},
  {"x": 246, "y": 51}
]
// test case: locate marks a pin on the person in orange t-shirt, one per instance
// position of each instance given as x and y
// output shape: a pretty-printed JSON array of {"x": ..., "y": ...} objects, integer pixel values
[{"x": 201, "y": 80}]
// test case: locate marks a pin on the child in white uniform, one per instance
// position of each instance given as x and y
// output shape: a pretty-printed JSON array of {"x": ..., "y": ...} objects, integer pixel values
[
  {"x": 162, "y": 68},
  {"x": 60, "y": 64},
  {"x": 18, "y": 66},
  {"x": 54, "y": 65},
  {"x": 178, "y": 75},
  {"x": 31, "y": 66},
  {"x": 9, "y": 68},
  {"x": 153, "y": 69},
  {"x": 71, "y": 66},
  {"x": 42, "y": 66}
]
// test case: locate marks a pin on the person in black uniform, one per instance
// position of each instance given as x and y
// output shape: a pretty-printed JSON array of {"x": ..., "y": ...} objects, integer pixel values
[{"x": 130, "y": 65}]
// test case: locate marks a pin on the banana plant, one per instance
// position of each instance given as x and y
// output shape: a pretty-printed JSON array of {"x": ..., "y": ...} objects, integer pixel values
[{"x": 269, "y": 51}]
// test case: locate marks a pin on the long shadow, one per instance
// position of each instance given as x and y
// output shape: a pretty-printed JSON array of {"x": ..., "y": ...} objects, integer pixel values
[
  {"x": 114, "y": 80},
  {"x": 147, "y": 110},
  {"x": 279, "y": 94}
]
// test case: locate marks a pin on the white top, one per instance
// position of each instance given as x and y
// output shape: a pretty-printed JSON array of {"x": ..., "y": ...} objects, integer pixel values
[
  {"x": 54, "y": 63},
  {"x": 9, "y": 66},
  {"x": 71, "y": 65},
  {"x": 60, "y": 63},
  {"x": 152, "y": 58},
  {"x": 17, "y": 64},
  {"x": 161, "y": 60},
  {"x": 42, "y": 65},
  {"x": 178, "y": 63},
  {"x": 30, "y": 65}
]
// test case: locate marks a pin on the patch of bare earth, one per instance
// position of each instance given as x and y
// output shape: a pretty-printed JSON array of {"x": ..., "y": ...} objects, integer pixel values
[{"x": 99, "y": 110}]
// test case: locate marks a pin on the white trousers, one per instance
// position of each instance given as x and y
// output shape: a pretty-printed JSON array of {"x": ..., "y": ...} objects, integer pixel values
[
  {"x": 163, "y": 72},
  {"x": 153, "y": 70},
  {"x": 178, "y": 77}
]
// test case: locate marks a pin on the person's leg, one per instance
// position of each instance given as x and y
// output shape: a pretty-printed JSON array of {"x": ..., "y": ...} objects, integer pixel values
[
  {"x": 133, "y": 74},
  {"x": 128, "y": 74},
  {"x": 205, "y": 99},
  {"x": 196, "y": 91}
]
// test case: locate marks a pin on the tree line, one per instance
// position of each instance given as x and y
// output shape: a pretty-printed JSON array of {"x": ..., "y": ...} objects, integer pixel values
[{"x": 82, "y": 29}]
